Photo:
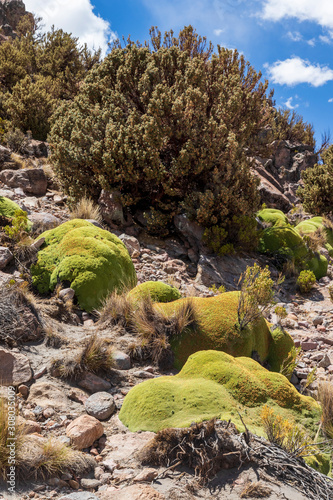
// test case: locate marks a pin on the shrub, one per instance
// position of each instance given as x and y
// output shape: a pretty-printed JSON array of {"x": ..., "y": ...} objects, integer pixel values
[
  {"x": 281, "y": 313},
  {"x": 19, "y": 227},
  {"x": 305, "y": 281},
  {"x": 256, "y": 294},
  {"x": 15, "y": 140},
  {"x": 284, "y": 433},
  {"x": 149, "y": 122},
  {"x": 289, "y": 126},
  {"x": 317, "y": 193}
]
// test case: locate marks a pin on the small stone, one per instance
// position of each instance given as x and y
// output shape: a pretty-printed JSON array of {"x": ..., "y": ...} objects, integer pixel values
[
  {"x": 318, "y": 320},
  {"x": 325, "y": 362},
  {"x": 321, "y": 328},
  {"x": 309, "y": 346},
  {"x": 143, "y": 374},
  {"x": 132, "y": 245},
  {"x": 317, "y": 356},
  {"x": 5, "y": 257},
  {"x": 48, "y": 412},
  {"x": 84, "y": 431},
  {"x": 94, "y": 384},
  {"x": 109, "y": 464},
  {"x": 330, "y": 369},
  {"x": 40, "y": 372},
  {"x": 24, "y": 390},
  {"x": 146, "y": 476},
  {"x": 303, "y": 324},
  {"x": 78, "y": 396},
  {"x": 66, "y": 476},
  {"x": 73, "y": 484},
  {"x": 66, "y": 294},
  {"x": 90, "y": 484},
  {"x": 121, "y": 360}
]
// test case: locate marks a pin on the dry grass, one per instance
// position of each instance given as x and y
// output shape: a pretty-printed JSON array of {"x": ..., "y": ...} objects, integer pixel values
[
  {"x": 315, "y": 240},
  {"x": 118, "y": 309},
  {"x": 95, "y": 357},
  {"x": 42, "y": 459},
  {"x": 86, "y": 209},
  {"x": 5, "y": 439},
  {"x": 325, "y": 397},
  {"x": 256, "y": 490}
]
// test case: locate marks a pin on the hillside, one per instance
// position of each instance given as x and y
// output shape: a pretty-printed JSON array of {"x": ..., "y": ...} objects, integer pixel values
[{"x": 148, "y": 345}]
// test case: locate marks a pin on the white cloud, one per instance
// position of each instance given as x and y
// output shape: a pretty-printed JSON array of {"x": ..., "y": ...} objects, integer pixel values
[
  {"x": 330, "y": 100},
  {"x": 294, "y": 36},
  {"x": 320, "y": 12},
  {"x": 325, "y": 39},
  {"x": 295, "y": 70},
  {"x": 76, "y": 17},
  {"x": 218, "y": 32},
  {"x": 311, "y": 42},
  {"x": 289, "y": 105}
]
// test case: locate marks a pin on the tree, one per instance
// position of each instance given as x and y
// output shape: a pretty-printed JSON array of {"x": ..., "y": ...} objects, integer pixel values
[
  {"x": 165, "y": 124},
  {"x": 317, "y": 193}
]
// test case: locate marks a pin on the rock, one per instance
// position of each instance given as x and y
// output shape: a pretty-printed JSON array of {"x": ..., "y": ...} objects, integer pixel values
[
  {"x": 43, "y": 221},
  {"x": 67, "y": 294},
  {"x": 189, "y": 229},
  {"x": 132, "y": 245},
  {"x": 11, "y": 11},
  {"x": 40, "y": 372},
  {"x": 111, "y": 207},
  {"x": 46, "y": 394},
  {"x": 90, "y": 484},
  {"x": 37, "y": 244},
  {"x": 100, "y": 405},
  {"x": 134, "y": 492},
  {"x": 309, "y": 346},
  {"x": 29, "y": 426},
  {"x": 318, "y": 320},
  {"x": 5, "y": 155},
  {"x": 24, "y": 390},
  {"x": 93, "y": 383},
  {"x": 95, "y": 222},
  {"x": 143, "y": 374},
  {"x": 121, "y": 448},
  {"x": 84, "y": 430},
  {"x": 37, "y": 149},
  {"x": 14, "y": 368},
  {"x": 78, "y": 396},
  {"x": 73, "y": 484},
  {"x": 31, "y": 203},
  {"x": 32, "y": 180},
  {"x": 325, "y": 362},
  {"x": 121, "y": 360},
  {"x": 146, "y": 476},
  {"x": 81, "y": 495},
  {"x": 221, "y": 270},
  {"x": 6, "y": 257}
]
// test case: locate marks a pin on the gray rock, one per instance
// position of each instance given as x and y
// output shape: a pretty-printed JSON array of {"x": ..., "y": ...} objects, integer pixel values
[
  {"x": 4, "y": 154},
  {"x": 325, "y": 362},
  {"x": 32, "y": 181},
  {"x": 44, "y": 221},
  {"x": 14, "y": 368},
  {"x": 80, "y": 495},
  {"x": 100, "y": 405},
  {"x": 37, "y": 244},
  {"x": 318, "y": 320},
  {"x": 111, "y": 207},
  {"x": 188, "y": 228},
  {"x": 67, "y": 294},
  {"x": 90, "y": 484},
  {"x": 95, "y": 222},
  {"x": 122, "y": 360},
  {"x": 94, "y": 384},
  {"x": 5, "y": 257},
  {"x": 7, "y": 193},
  {"x": 132, "y": 244}
]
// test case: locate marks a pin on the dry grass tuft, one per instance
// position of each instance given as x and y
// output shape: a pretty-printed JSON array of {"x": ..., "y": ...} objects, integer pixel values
[
  {"x": 95, "y": 357},
  {"x": 86, "y": 209},
  {"x": 42, "y": 459},
  {"x": 117, "y": 309},
  {"x": 315, "y": 240},
  {"x": 256, "y": 490},
  {"x": 325, "y": 397}
]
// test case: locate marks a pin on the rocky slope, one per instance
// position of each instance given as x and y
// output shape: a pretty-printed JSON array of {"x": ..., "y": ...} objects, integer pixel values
[{"x": 86, "y": 412}]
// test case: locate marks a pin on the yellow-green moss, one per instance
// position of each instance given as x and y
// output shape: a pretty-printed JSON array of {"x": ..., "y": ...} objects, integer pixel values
[
  {"x": 8, "y": 207},
  {"x": 156, "y": 290},
  {"x": 92, "y": 261},
  {"x": 311, "y": 225},
  {"x": 272, "y": 216},
  {"x": 214, "y": 384},
  {"x": 218, "y": 329}
]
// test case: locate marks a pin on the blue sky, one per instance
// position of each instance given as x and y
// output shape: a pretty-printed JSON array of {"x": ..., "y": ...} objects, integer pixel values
[{"x": 289, "y": 41}]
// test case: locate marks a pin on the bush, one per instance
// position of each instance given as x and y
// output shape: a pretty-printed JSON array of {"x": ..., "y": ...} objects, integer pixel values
[
  {"x": 305, "y": 281},
  {"x": 149, "y": 122},
  {"x": 256, "y": 294},
  {"x": 289, "y": 126},
  {"x": 15, "y": 140},
  {"x": 317, "y": 193}
]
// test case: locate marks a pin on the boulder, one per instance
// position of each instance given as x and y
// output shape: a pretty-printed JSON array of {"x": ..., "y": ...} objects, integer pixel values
[
  {"x": 121, "y": 360},
  {"x": 32, "y": 180},
  {"x": 84, "y": 431},
  {"x": 100, "y": 405},
  {"x": 5, "y": 257},
  {"x": 14, "y": 368},
  {"x": 132, "y": 245},
  {"x": 43, "y": 221},
  {"x": 111, "y": 207}
]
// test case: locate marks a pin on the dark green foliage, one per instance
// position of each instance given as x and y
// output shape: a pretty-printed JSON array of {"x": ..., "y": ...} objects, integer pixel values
[
  {"x": 289, "y": 126},
  {"x": 166, "y": 126},
  {"x": 37, "y": 72},
  {"x": 317, "y": 193}
]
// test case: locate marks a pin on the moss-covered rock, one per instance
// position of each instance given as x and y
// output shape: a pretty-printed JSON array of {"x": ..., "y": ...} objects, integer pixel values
[
  {"x": 272, "y": 216},
  {"x": 311, "y": 225},
  {"x": 218, "y": 329},
  {"x": 156, "y": 290},
  {"x": 215, "y": 384},
  {"x": 286, "y": 242},
  {"x": 8, "y": 207},
  {"x": 92, "y": 261}
]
